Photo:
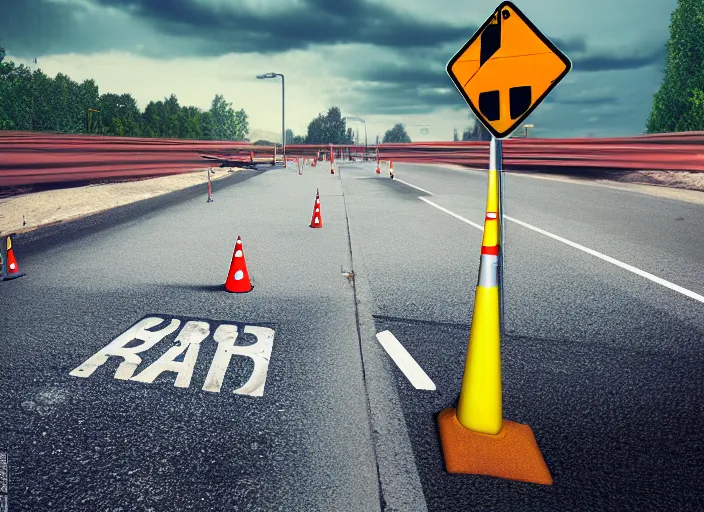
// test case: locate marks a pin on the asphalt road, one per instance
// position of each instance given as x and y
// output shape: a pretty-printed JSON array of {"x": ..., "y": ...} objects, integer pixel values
[{"x": 603, "y": 363}]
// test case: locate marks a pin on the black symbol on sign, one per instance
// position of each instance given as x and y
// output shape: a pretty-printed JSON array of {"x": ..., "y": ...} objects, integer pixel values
[
  {"x": 490, "y": 41},
  {"x": 519, "y": 98}
]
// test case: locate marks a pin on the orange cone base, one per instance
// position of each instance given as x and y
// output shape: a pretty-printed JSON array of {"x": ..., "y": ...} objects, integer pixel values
[{"x": 512, "y": 454}]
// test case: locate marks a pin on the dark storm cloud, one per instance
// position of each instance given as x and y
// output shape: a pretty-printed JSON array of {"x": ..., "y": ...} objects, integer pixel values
[
  {"x": 46, "y": 27},
  {"x": 618, "y": 62},
  {"x": 408, "y": 77}
]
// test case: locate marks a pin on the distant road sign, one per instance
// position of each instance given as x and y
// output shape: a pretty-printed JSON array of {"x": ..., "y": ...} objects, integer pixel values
[{"x": 507, "y": 69}]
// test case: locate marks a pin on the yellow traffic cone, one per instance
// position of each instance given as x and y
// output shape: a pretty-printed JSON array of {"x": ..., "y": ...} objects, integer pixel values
[{"x": 474, "y": 437}]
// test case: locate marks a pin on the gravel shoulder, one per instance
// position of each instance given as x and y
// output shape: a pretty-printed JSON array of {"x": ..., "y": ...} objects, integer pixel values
[{"x": 26, "y": 212}]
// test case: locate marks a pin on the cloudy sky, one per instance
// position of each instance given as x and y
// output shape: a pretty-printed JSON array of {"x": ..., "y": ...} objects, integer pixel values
[{"x": 382, "y": 60}]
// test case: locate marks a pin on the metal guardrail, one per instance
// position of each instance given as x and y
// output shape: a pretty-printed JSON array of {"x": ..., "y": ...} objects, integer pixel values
[{"x": 28, "y": 158}]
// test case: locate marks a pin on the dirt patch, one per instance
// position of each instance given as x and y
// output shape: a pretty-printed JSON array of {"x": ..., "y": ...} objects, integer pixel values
[
  {"x": 671, "y": 179},
  {"x": 28, "y": 208}
]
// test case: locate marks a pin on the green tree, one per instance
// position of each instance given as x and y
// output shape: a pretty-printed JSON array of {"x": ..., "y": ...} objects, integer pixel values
[
  {"x": 225, "y": 123},
  {"x": 120, "y": 115},
  {"x": 16, "y": 97},
  {"x": 299, "y": 139},
  {"x": 677, "y": 105},
  {"x": 152, "y": 119},
  {"x": 328, "y": 129},
  {"x": 32, "y": 101},
  {"x": 396, "y": 134},
  {"x": 241, "y": 125},
  {"x": 191, "y": 126}
]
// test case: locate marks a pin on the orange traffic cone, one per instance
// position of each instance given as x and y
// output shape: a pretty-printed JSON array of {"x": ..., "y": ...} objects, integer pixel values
[
  {"x": 317, "y": 220},
  {"x": 10, "y": 268},
  {"x": 391, "y": 169},
  {"x": 238, "y": 278}
]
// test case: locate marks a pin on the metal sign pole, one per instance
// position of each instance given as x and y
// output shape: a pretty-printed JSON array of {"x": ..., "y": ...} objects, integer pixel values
[{"x": 496, "y": 163}]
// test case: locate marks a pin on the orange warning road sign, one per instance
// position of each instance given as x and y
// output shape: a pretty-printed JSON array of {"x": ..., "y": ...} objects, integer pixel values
[{"x": 507, "y": 69}]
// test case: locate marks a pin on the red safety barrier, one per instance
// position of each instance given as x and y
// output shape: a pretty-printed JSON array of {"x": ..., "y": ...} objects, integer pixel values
[
  {"x": 28, "y": 158},
  {"x": 32, "y": 158}
]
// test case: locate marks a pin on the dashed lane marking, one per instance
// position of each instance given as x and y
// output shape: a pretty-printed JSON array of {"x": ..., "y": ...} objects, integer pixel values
[{"x": 410, "y": 368}]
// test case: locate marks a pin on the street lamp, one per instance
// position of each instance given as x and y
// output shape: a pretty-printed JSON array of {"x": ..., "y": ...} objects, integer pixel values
[
  {"x": 283, "y": 119},
  {"x": 353, "y": 118},
  {"x": 526, "y": 126}
]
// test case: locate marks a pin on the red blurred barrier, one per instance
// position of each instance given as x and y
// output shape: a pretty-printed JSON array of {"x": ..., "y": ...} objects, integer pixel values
[
  {"x": 32, "y": 158},
  {"x": 28, "y": 158}
]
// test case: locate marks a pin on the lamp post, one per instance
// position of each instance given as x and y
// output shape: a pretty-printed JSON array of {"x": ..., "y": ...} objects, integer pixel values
[
  {"x": 526, "y": 126},
  {"x": 353, "y": 118},
  {"x": 90, "y": 111},
  {"x": 283, "y": 109}
]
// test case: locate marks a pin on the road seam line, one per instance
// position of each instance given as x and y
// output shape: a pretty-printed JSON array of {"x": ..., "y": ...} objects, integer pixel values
[
  {"x": 614, "y": 261},
  {"x": 409, "y": 366}
]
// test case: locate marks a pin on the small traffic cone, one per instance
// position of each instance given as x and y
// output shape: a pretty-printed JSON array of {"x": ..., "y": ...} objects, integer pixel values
[
  {"x": 316, "y": 220},
  {"x": 391, "y": 169},
  {"x": 10, "y": 267},
  {"x": 332, "y": 168},
  {"x": 238, "y": 278}
]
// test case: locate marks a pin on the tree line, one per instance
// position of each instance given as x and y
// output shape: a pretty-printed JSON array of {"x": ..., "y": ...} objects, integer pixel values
[
  {"x": 678, "y": 105},
  {"x": 331, "y": 128},
  {"x": 32, "y": 101}
]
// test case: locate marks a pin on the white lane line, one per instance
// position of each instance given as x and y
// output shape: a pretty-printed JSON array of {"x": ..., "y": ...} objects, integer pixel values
[
  {"x": 625, "y": 266},
  {"x": 414, "y": 186},
  {"x": 410, "y": 368},
  {"x": 452, "y": 213}
]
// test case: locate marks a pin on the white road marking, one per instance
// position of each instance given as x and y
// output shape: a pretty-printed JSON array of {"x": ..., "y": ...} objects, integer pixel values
[
  {"x": 626, "y": 266},
  {"x": 414, "y": 186},
  {"x": 189, "y": 340},
  {"x": 260, "y": 352},
  {"x": 614, "y": 261},
  {"x": 116, "y": 348},
  {"x": 181, "y": 358},
  {"x": 451, "y": 213},
  {"x": 410, "y": 368}
]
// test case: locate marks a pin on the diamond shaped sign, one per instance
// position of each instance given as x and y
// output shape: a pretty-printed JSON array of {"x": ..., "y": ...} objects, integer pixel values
[{"x": 507, "y": 69}]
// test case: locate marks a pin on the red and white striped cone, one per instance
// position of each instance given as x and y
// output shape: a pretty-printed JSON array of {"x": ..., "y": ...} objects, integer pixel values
[{"x": 210, "y": 187}]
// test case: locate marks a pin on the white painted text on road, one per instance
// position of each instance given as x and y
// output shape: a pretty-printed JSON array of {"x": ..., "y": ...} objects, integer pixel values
[{"x": 181, "y": 357}]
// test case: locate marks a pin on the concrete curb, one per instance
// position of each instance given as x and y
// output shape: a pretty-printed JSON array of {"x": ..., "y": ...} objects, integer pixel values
[{"x": 401, "y": 487}]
